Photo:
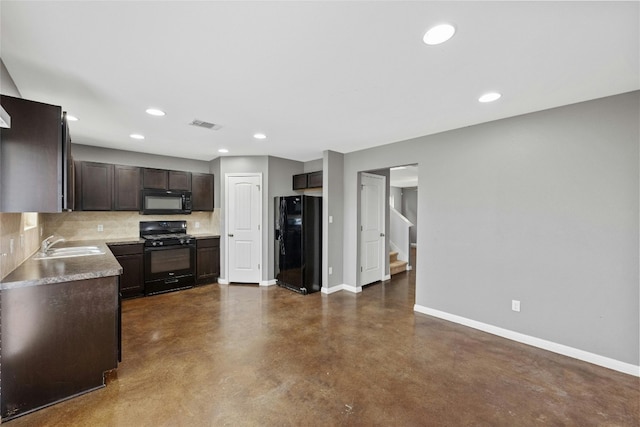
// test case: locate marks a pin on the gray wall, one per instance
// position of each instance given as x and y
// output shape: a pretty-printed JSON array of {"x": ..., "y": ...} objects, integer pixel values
[
  {"x": 396, "y": 192},
  {"x": 249, "y": 164},
  {"x": 313, "y": 165},
  {"x": 281, "y": 172},
  {"x": 276, "y": 181},
  {"x": 542, "y": 208},
  {"x": 409, "y": 208},
  {"x": 214, "y": 168},
  {"x": 131, "y": 158},
  {"x": 332, "y": 205}
]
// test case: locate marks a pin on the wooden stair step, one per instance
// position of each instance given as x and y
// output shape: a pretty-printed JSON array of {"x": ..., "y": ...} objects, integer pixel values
[
  {"x": 397, "y": 267},
  {"x": 393, "y": 256}
]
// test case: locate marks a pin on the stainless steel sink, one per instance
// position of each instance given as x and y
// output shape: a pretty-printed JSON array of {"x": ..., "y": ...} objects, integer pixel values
[{"x": 73, "y": 251}]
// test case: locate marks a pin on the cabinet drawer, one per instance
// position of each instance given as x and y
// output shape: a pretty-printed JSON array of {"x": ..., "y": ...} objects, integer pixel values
[{"x": 207, "y": 242}]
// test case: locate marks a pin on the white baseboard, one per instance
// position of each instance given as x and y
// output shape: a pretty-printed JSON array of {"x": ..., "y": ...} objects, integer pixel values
[
  {"x": 271, "y": 282},
  {"x": 409, "y": 268},
  {"x": 343, "y": 287},
  {"x": 386, "y": 277},
  {"x": 575, "y": 353},
  {"x": 331, "y": 290},
  {"x": 353, "y": 289},
  {"x": 222, "y": 281}
]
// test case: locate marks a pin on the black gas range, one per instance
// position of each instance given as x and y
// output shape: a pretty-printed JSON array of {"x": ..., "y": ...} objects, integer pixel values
[{"x": 169, "y": 256}]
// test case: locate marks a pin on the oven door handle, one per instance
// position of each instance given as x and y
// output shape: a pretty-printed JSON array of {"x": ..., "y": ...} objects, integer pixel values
[{"x": 168, "y": 281}]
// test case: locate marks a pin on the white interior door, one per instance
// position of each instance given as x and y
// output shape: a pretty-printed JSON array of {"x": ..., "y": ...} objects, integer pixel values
[
  {"x": 372, "y": 228},
  {"x": 244, "y": 238}
]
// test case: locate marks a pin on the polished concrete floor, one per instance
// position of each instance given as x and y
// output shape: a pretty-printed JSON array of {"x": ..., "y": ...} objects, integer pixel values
[{"x": 248, "y": 356}]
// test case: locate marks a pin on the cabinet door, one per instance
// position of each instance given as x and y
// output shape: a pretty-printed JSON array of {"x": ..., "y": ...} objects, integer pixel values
[
  {"x": 202, "y": 191},
  {"x": 126, "y": 188},
  {"x": 208, "y": 260},
  {"x": 132, "y": 278},
  {"x": 314, "y": 179},
  {"x": 94, "y": 186},
  {"x": 179, "y": 180},
  {"x": 300, "y": 181},
  {"x": 155, "y": 178},
  {"x": 31, "y": 157}
]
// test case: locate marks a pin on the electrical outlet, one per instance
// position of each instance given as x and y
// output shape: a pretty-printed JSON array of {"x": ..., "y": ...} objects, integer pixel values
[
  {"x": 515, "y": 305},
  {"x": 197, "y": 224},
  {"x": 330, "y": 270},
  {"x": 330, "y": 219},
  {"x": 100, "y": 227}
]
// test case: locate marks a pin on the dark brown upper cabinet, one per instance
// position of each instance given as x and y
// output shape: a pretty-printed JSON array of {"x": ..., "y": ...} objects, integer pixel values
[
  {"x": 163, "y": 179},
  {"x": 127, "y": 182},
  {"x": 155, "y": 178},
  {"x": 179, "y": 180},
  {"x": 309, "y": 180},
  {"x": 314, "y": 179},
  {"x": 94, "y": 186},
  {"x": 202, "y": 191},
  {"x": 300, "y": 181},
  {"x": 36, "y": 173}
]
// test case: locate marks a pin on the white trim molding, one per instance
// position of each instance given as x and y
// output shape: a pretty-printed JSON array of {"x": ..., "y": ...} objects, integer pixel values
[
  {"x": 353, "y": 289},
  {"x": 386, "y": 277},
  {"x": 343, "y": 287},
  {"x": 222, "y": 281},
  {"x": 562, "y": 349},
  {"x": 268, "y": 282},
  {"x": 331, "y": 290}
]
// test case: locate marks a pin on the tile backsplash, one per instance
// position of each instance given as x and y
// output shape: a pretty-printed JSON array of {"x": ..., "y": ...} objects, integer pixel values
[
  {"x": 120, "y": 225},
  {"x": 20, "y": 237}
]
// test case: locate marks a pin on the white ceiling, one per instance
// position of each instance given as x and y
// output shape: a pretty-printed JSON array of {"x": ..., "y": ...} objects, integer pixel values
[
  {"x": 404, "y": 176},
  {"x": 313, "y": 76}
]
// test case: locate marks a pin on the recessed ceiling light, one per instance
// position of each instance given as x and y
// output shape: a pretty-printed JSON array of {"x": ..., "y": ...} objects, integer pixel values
[
  {"x": 259, "y": 136},
  {"x": 155, "y": 112},
  {"x": 223, "y": 150},
  {"x": 72, "y": 118},
  {"x": 439, "y": 34},
  {"x": 489, "y": 97},
  {"x": 136, "y": 136}
]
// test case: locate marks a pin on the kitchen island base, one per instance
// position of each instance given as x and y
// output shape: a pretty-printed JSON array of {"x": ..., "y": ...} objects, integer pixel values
[{"x": 58, "y": 341}]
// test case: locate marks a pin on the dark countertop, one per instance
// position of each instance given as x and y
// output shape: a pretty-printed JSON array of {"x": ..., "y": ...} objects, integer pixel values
[
  {"x": 35, "y": 272},
  {"x": 119, "y": 242},
  {"x": 205, "y": 236}
]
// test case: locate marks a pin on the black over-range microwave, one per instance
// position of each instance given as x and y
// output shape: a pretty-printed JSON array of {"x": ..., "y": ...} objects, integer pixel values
[{"x": 165, "y": 202}]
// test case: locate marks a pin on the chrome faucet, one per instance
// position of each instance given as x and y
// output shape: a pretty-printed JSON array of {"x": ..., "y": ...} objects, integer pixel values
[{"x": 47, "y": 243}]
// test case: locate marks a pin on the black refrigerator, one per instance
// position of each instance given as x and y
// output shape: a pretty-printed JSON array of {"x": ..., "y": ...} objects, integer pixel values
[{"x": 298, "y": 243}]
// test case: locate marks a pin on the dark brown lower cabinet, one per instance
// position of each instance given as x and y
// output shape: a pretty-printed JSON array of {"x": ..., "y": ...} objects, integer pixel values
[
  {"x": 207, "y": 260},
  {"x": 131, "y": 259},
  {"x": 58, "y": 340}
]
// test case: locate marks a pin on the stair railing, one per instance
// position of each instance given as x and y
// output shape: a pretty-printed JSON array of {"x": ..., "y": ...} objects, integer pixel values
[{"x": 399, "y": 239}]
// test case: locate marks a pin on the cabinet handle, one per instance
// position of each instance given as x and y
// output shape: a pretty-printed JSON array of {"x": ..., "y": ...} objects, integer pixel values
[{"x": 230, "y": 235}]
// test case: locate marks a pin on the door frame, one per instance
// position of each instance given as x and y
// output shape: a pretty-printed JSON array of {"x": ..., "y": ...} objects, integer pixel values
[
  {"x": 383, "y": 252},
  {"x": 227, "y": 280}
]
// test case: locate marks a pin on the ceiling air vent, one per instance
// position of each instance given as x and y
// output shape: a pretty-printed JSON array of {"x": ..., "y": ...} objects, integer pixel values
[{"x": 204, "y": 124}]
